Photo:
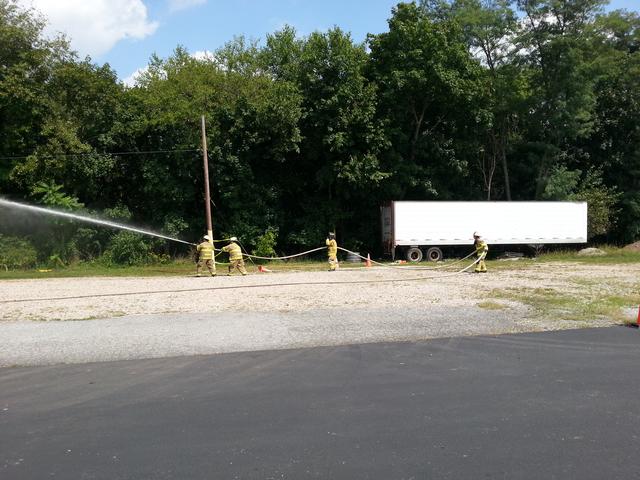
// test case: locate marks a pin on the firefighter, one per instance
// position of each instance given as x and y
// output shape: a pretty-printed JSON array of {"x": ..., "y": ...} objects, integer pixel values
[
  {"x": 204, "y": 256},
  {"x": 235, "y": 256},
  {"x": 332, "y": 251},
  {"x": 481, "y": 252}
]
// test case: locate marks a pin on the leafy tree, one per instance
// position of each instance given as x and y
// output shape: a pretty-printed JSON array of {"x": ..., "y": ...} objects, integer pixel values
[
  {"x": 614, "y": 146},
  {"x": 601, "y": 201},
  {"x": 459, "y": 99},
  {"x": 562, "y": 103},
  {"x": 338, "y": 162},
  {"x": 52, "y": 195},
  {"x": 430, "y": 97},
  {"x": 490, "y": 28}
]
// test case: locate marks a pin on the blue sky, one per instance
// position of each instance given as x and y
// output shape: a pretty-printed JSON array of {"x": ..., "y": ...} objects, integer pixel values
[
  {"x": 211, "y": 25},
  {"x": 124, "y": 33}
]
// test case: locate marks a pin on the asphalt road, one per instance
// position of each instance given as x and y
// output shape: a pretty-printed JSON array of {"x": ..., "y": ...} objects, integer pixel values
[{"x": 556, "y": 405}]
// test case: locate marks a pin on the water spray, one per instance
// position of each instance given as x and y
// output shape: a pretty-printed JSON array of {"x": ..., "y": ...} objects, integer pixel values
[{"x": 83, "y": 218}]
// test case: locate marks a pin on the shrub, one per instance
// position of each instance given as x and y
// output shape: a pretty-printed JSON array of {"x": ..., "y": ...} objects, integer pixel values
[
  {"x": 128, "y": 248},
  {"x": 16, "y": 253},
  {"x": 265, "y": 244},
  {"x": 86, "y": 244}
]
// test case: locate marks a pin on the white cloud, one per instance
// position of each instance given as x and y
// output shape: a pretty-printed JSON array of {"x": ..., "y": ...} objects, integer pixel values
[
  {"x": 204, "y": 55},
  {"x": 132, "y": 79},
  {"x": 175, "y": 5},
  {"x": 95, "y": 26}
]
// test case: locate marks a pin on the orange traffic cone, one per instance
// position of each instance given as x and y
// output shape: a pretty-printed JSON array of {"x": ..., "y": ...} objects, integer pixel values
[
  {"x": 368, "y": 264},
  {"x": 638, "y": 321},
  {"x": 262, "y": 269}
]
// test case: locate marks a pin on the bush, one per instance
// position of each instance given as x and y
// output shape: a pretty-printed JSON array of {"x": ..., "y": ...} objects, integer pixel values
[
  {"x": 601, "y": 201},
  {"x": 16, "y": 253},
  {"x": 265, "y": 244},
  {"x": 128, "y": 248},
  {"x": 86, "y": 244}
]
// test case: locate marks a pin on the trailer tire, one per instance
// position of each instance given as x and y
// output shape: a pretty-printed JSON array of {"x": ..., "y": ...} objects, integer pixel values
[
  {"x": 434, "y": 254},
  {"x": 414, "y": 255}
]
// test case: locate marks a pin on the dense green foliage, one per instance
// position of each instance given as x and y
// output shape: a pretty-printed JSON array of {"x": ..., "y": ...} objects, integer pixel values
[
  {"x": 16, "y": 253},
  {"x": 458, "y": 100}
]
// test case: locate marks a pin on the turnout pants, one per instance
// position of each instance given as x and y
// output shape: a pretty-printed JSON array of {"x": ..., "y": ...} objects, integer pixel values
[
  {"x": 209, "y": 264},
  {"x": 237, "y": 264}
]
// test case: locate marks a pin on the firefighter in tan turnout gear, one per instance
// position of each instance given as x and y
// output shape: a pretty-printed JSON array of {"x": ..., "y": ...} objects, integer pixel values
[
  {"x": 205, "y": 256},
  {"x": 332, "y": 251},
  {"x": 235, "y": 256},
  {"x": 481, "y": 252}
]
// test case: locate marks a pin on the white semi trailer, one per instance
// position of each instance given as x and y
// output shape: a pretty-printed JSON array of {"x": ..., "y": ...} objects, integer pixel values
[{"x": 413, "y": 230}]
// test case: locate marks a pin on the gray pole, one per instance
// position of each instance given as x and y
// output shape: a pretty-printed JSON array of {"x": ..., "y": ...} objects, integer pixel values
[{"x": 207, "y": 194}]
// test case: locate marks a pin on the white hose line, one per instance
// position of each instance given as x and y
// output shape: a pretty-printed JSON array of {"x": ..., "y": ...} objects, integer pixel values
[
  {"x": 408, "y": 267},
  {"x": 279, "y": 258}
]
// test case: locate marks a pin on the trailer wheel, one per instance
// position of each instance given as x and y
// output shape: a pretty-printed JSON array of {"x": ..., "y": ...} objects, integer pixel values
[
  {"x": 414, "y": 254},
  {"x": 434, "y": 254}
]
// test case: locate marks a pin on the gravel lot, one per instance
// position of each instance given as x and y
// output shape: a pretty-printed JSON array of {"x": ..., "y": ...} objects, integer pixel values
[{"x": 94, "y": 319}]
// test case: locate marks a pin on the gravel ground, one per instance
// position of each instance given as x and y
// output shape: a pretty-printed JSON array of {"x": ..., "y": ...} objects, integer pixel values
[{"x": 78, "y": 320}]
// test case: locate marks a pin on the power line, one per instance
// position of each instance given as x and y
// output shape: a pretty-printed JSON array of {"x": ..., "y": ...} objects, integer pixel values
[{"x": 148, "y": 152}]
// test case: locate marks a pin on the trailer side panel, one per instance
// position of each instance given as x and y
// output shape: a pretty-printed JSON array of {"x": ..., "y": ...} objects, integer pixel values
[{"x": 508, "y": 223}]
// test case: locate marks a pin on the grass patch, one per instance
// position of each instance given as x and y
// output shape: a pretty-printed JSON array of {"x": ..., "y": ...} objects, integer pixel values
[
  {"x": 488, "y": 305},
  {"x": 184, "y": 267},
  {"x": 97, "y": 270},
  {"x": 581, "y": 306},
  {"x": 176, "y": 268},
  {"x": 613, "y": 255}
]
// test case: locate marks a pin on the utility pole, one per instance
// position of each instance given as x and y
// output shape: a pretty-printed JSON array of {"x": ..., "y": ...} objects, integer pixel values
[{"x": 207, "y": 194}]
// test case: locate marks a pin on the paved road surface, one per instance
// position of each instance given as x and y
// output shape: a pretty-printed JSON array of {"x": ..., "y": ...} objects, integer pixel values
[{"x": 556, "y": 405}]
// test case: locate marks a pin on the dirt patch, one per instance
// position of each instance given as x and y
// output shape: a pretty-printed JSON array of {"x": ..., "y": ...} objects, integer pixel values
[{"x": 633, "y": 247}]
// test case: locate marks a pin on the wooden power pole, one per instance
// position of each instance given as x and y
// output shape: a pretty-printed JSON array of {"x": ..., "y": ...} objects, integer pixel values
[{"x": 207, "y": 193}]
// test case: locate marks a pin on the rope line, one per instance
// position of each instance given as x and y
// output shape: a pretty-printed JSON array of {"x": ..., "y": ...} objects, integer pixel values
[{"x": 287, "y": 256}]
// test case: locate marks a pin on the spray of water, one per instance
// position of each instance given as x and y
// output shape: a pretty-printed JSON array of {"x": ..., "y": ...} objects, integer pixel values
[{"x": 83, "y": 218}]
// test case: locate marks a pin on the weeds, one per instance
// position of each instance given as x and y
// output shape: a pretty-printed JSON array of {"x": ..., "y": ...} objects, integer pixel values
[{"x": 580, "y": 305}]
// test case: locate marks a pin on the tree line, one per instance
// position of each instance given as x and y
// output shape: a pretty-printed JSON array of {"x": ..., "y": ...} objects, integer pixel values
[{"x": 457, "y": 100}]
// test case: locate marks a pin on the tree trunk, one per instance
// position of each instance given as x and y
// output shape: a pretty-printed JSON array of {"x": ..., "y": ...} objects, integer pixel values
[
  {"x": 416, "y": 132},
  {"x": 505, "y": 170}
]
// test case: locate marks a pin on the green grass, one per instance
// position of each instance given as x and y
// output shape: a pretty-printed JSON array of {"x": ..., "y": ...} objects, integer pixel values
[
  {"x": 176, "y": 268},
  {"x": 581, "y": 305},
  {"x": 488, "y": 305},
  {"x": 613, "y": 255},
  {"x": 183, "y": 267}
]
